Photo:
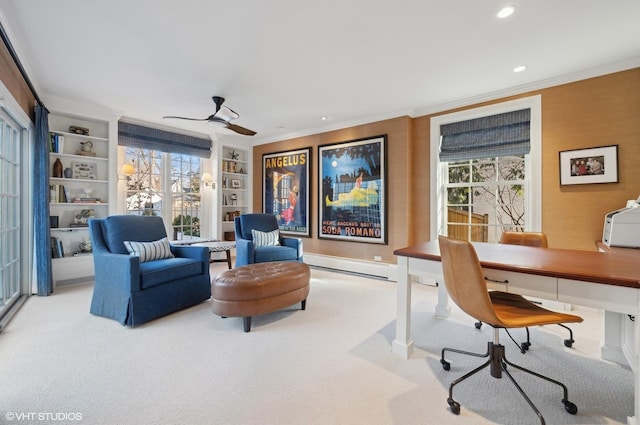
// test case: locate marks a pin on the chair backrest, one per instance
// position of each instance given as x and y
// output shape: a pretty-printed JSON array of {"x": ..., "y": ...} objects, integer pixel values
[
  {"x": 464, "y": 279},
  {"x": 537, "y": 239},
  {"x": 261, "y": 222},
  {"x": 140, "y": 228}
]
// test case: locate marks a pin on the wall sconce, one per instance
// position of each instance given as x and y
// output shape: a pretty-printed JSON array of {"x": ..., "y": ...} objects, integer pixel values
[
  {"x": 207, "y": 180},
  {"x": 126, "y": 171}
]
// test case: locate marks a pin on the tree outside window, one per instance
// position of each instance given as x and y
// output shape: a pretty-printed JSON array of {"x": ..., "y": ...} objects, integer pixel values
[{"x": 166, "y": 185}]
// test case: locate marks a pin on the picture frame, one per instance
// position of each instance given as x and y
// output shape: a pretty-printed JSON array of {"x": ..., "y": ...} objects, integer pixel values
[
  {"x": 286, "y": 190},
  {"x": 589, "y": 165},
  {"x": 352, "y": 191},
  {"x": 236, "y": 184},
  {"x": 84, "y": 170}
]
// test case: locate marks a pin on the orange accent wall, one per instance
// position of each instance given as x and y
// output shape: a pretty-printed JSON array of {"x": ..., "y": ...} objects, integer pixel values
[{"x": 594, "y": 112}]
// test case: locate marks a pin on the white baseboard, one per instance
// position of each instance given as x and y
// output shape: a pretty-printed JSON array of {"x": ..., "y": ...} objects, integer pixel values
[{"x": 370, "y": 268}]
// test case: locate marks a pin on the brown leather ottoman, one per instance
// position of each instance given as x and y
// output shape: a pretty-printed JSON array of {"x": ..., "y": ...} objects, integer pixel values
[{"x": 259, "y": 288}]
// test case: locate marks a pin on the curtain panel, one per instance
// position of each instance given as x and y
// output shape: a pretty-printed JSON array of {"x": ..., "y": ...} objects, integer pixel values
[
  {"x": 486, "y": 137},
  {"x": 41, "y": 202}
]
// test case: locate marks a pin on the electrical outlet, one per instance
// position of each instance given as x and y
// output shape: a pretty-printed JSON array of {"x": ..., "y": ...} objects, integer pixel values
[{"x": 377, "y": 258}]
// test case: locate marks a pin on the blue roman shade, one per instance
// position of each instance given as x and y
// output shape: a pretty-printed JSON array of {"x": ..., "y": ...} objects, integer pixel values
[
  {"x": 139, "y": 136},
  {"x": 486, "y": 137}
]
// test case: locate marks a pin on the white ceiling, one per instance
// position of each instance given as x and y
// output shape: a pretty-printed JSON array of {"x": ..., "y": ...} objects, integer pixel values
[{"x": 283, "y": 64}]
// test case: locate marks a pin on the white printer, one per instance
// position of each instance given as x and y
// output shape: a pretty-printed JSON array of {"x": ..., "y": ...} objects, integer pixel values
[{"x": 622, "y": 227}]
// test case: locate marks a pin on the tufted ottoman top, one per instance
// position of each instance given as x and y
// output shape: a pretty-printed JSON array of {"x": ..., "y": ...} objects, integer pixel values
[{"x": 260, "y": 280}]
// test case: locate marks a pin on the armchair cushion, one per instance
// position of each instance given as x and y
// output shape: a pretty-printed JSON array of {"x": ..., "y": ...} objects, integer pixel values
[
  {"x": 149, "y": 251},
  {"x": 261, "y": 239},
  {"x": 157, "y": 272}
]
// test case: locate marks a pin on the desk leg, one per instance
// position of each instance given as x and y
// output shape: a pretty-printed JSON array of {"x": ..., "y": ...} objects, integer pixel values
[
  {"x": 403, "y": 344},
  {"x": 443, "y": 309},
  {"x": 229, "y": 258}
]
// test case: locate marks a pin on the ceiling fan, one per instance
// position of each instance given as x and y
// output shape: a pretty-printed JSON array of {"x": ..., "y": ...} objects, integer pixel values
[{"x": 222, "y": 115}]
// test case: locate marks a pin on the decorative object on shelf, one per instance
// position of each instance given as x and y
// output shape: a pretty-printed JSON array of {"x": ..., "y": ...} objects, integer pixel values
[
  {"x": 57, "y": 168},
  {"x": 353, "y": 184},
  {"x": 84, "y": 170},
  {"x": 234, "y": 199},
  {"x": 84, "y": 216},
  {"x": 235, "y": 184},
  {"x": 79, "y": 130},
  {"x": 234, "y": 155},
  {"x": 85, "y": 246},
  {"x": 85, "y": 148},
  {"x": 68, "y": 173},
  {"x": 591, "y": 165}
]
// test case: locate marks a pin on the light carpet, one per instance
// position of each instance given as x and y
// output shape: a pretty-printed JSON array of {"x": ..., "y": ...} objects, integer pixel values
[{"x": 330, "y": 364}]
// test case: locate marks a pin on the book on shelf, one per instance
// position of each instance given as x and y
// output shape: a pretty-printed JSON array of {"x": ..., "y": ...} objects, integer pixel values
[
  {"x": 57, "y": 251},
  {"x": 55, "y": 142},
  {"x": 58, "y": 193},
  {"x": 87, "y": 200}
]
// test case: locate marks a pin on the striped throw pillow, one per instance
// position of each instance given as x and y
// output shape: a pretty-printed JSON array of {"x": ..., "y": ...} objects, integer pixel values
[
  {"x": 265, "y": 238},
  {"x": 149, "y": 251}
]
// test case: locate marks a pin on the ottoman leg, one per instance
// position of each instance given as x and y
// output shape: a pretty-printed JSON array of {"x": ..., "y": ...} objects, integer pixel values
[
  {"x": 304, "y": 304},
  {"x": 247, "y": 323}
]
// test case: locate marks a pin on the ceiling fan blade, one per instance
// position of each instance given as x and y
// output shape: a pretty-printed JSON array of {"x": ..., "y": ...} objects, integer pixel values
[
  {"x": 240, "y": 130},
  {"x": 185, "y": 118}
]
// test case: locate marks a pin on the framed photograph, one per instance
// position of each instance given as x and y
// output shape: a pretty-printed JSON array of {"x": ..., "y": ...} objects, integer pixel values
[
  {"x": 352, "y": 193},
  {"x": 286, "y": 190},
  {"x": 84, "y": 170},
  {"x": 235, "y": 184},
  {"x": 591, "y": 165}
]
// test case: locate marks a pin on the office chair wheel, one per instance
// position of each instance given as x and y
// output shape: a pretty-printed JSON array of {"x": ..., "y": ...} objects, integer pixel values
[
  {"x": 570, "y": 407},
  {"x": 568, "y": 343},
  {"x": 445, "y": 364},
  {"x": 478, "y": 325},
  {"x": 454, "y": 405}
]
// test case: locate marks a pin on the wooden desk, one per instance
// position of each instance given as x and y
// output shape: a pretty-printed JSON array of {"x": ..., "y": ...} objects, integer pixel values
[{"x": 594, "y": 279}]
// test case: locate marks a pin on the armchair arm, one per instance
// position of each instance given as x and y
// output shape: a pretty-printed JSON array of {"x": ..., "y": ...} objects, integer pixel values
[
  {"x": 120, "y": 272},
  {"x": 244, "y": 252},
  {"x": 200, "y": 253},
  {"x": 295, "y": 243}
]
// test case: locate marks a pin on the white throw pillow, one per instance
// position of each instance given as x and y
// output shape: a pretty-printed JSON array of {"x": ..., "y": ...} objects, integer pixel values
[
  {"x": 149, "y": 251},
  {"x": 265, "y": 238}
]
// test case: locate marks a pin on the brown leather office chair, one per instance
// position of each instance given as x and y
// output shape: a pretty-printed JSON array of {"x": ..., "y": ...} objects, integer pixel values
[
  {"x": 466, "y": 286},
  {"x": 536, "y": 239}
]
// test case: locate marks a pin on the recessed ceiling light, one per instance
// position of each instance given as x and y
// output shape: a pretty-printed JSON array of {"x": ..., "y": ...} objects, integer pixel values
[
  {"x": 519, "y": 68},
  {"x": 325, "y": 118},
  {"x": 505, "y": 12}
]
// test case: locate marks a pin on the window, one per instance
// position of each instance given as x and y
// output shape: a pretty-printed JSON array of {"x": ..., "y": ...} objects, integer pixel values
[
  {"x": 14, "y": 223},
  {"x": 166, "y": 185},
  {"x": 478, "y": 198}
]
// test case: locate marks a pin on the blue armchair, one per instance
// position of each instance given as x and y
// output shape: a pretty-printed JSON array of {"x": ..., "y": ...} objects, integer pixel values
[
  {"x": 249, "y": 252},
  {"x": 132, "y": 291}
]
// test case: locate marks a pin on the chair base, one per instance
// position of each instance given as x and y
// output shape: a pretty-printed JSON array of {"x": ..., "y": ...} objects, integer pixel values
[
  {"x": 498, "y": 363},
  {"x": 524, "y": 346}
]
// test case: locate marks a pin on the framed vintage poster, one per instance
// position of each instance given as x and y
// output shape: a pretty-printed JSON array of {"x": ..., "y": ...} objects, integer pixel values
[
  {"x": 286, "y": 189},
  {"x": 591, "y": 165},
  {"x": 352, "y": 191}
]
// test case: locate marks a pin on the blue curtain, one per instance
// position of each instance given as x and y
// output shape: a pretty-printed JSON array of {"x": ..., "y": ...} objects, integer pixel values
[
  {"x": 486, "y": 137},
  {"x": 41, "y": 202}
]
